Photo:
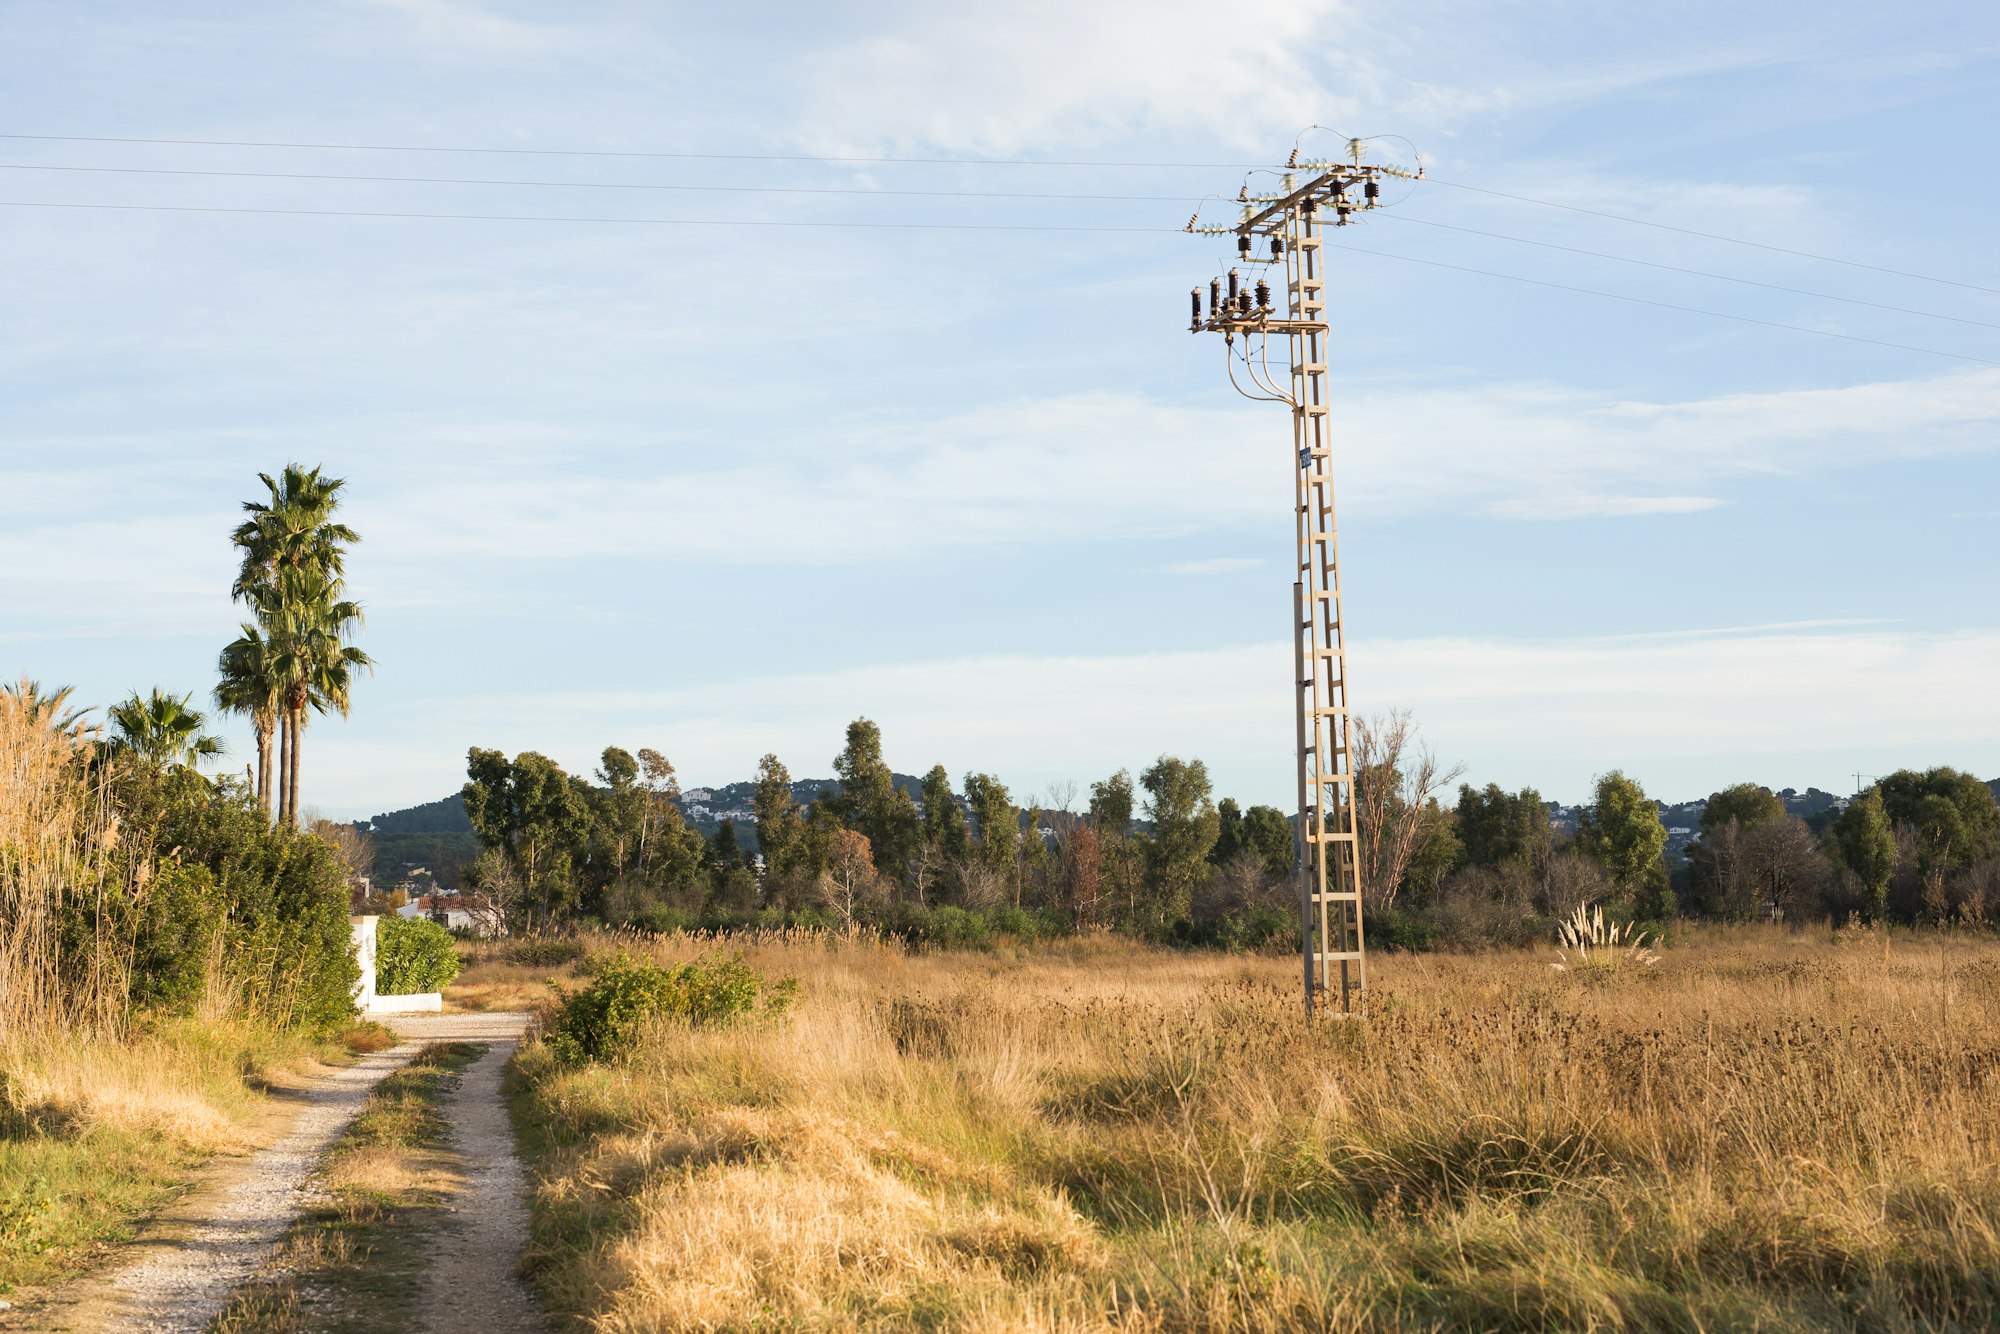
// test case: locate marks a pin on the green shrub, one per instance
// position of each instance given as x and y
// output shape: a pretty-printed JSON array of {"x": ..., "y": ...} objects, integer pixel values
[
  {"x": 413, "y": 955},
  {"x": 264, "y": 910},
  {"x": 544, "y": 951},
  {"x": 601, "y": 1022}
]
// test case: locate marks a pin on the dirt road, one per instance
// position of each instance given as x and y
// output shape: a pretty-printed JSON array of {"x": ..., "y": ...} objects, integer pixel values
[
  {"x": 178, "y": 1276},
  {"x": 473, "y": 1284}
]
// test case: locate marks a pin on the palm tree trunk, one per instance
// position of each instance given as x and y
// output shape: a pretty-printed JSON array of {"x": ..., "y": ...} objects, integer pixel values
[
  {"x": 284, "y": 725},
  {"x": 263, "y": 766},
  {"x": 298, "y": 735}
]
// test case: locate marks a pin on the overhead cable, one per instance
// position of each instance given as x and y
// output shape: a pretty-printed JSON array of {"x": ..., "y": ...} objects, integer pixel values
[
  {"x": 627, "y": 153},
  {"x": 585, "y": 185},
  {"x": 556, "y": 217}
]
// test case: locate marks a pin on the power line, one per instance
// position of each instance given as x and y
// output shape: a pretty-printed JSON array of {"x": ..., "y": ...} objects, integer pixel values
[
  {"x": 966, "y": 162},
  {"x": 1715, "y": 236},
  {"x": 948, "y": 194},
  {"x": 1663, "y": 305},
  {"x": 1698, "y": 273},
  {"x": 586, "y": 185},
  {"x": 629, "y": 153},
  {"x": 547, "y": 217},
  {"x": 957, "y": 226}
]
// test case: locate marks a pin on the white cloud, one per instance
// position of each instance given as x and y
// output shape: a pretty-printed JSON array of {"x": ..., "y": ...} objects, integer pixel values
[
  {"x": 1082, "y": 466},
  {"x": 1684, "y": 713},
  {"x": 1035, "y": 74},
  {"x": 1129, "y": 466}
]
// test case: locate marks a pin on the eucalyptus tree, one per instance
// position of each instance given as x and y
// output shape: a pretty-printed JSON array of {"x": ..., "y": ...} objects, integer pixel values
[{"x": 161, "y": 730}]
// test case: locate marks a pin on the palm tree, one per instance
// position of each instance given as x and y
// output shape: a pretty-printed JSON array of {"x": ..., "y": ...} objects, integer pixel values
[
  {"x": 161, "y": 730},
  {"x": 308, "y": 621},
  {"x": 294, "y": 530},
  {"x": 293, "y": 558},
  {"x": 46, "y": 711},
  {"x": 250, "y": 684}
]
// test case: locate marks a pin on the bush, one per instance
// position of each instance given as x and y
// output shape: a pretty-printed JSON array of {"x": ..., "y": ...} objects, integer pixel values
[
  {"x": 266, "y": 908},
  {"x": 413, "y": 955},
  {"x": 544, "y": 951},
  {"x": 602, "y": 1021}
]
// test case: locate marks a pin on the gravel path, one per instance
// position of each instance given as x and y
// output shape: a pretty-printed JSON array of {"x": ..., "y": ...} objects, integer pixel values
[
  {"x": 181, "y": 1276},
  {"x": 183, "y": 1287},
  {"x": 473, "y": 1284}
]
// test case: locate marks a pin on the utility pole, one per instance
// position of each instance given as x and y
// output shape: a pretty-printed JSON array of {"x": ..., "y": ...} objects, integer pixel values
[{"x": 1288, "y": 226}]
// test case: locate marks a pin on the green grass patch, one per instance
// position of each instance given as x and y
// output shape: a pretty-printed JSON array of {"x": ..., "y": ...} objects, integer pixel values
[{"x": 98, "y": 1130}]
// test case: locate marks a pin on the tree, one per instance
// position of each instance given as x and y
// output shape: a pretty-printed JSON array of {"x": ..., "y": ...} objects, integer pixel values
[
  {"x": 1396, "y": 781},
  {"x": 1623, "y": 831},
  {"x": 1746, "y": 804},
  {"x": 1111, "y": 818},
  {"x": 1228, "y": 832},
  {"x": 249, "y": 684},
  {"x": 1082, "y": 873},
  {"x": 34, "y": 709},
  {"x": 309, "y": 621},
  {"x": 1865, "y": 843},
  {"x": 161, "y": 731},
  {"x": 995, "y": 821},
  {"x": 1496, "y": 826},
  {"x": 1267, "y": 835},
  {"x": 294, "y": 555},
  {"x": 853, "y": 886},
  {"x": 663, "y": 791},
  {"x": 723, "y": 853},
  {"x": 780, "y": 829},
  {"x": 944, "y": 818},
  {"x": 530, "y": 811},
  {"x": 1953, "y": 814},
  {"x": 355, "y": 849},
  {"x": 942, "y": 839},
  {"x": 1185, "y": 824},
  {"x": 870, "y": 802}
]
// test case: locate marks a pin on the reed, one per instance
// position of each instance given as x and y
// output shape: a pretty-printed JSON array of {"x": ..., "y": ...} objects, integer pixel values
[{"x": 1760, "y": 1130}]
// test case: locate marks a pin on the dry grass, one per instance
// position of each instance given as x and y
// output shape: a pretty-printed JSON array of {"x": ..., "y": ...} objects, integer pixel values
[
  {"x": 1763, "y": 1131},
  {"x": 99, "y": 1126}
]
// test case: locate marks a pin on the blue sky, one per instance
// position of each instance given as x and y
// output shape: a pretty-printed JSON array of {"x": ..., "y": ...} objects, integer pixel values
[{"x": 717, "y": 489}]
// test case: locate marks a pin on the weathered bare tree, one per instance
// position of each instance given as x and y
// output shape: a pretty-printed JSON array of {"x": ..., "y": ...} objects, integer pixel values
[
  {"x": 1082, "y": 873},
  {"x": 851, "y": 883},
  {"x": 355, "y": 849},
  {"x": 1396, "y": 781}
]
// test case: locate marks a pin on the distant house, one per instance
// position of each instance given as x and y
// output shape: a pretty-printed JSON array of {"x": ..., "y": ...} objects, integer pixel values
[
  {"x": 457, "y": 912},
  {"x": 696, "y": 794}
]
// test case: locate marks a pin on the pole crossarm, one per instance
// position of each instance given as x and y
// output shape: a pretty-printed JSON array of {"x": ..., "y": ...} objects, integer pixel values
[{"x": 1332, "y": 947}]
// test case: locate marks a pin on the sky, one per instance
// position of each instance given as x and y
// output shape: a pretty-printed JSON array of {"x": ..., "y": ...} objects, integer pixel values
[{"x": 716, "y": 486}]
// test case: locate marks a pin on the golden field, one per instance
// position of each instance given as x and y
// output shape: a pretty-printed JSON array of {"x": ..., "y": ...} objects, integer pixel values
[{"x": 1763, "y": 1131}]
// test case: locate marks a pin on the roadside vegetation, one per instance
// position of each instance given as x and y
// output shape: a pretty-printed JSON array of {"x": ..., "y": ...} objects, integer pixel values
[
  {"x": 353, "y": 1263},
  {"x": 167, "y": 952},
  {"x": 1762, "y": 1129}
]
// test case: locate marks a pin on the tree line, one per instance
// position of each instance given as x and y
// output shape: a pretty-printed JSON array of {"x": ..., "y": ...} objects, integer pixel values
[{"x": 1159, "y": 856}]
